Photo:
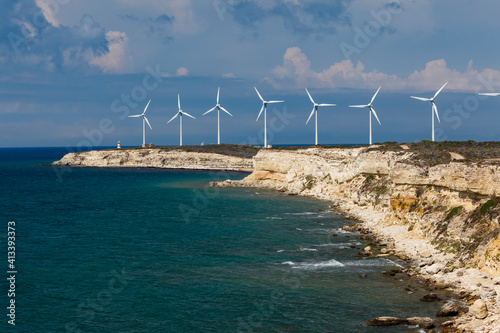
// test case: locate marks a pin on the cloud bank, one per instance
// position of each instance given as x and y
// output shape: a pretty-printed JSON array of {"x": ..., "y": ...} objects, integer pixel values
[{"x": 296, "y": 72}]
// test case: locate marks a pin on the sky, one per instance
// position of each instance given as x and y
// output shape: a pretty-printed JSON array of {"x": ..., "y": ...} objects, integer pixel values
[{"x": 72, "y": 71}]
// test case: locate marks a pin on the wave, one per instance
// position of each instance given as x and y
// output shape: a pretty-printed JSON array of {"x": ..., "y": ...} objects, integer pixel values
[
  {"x": 314, "y": 265},
  {"x": 376, "y": 262},
  {"x": 340, "y": 245},
  {"x": 308, "y": 249}
]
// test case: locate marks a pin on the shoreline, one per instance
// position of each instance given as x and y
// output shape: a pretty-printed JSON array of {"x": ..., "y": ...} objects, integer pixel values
[{"x": 428, "y": 204}]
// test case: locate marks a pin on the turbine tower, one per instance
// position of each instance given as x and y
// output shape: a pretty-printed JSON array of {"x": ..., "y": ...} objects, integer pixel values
[
  {"x": 315, "y": 112},
  {"x": 434, "y": 107},
  {"x": 144, "y": 121},
  {"x": 371, "y": 110},
  {"x": 264, "y": 108},
  {"x": 218, "y": 107},
  {"x": 180, "y": 113}
]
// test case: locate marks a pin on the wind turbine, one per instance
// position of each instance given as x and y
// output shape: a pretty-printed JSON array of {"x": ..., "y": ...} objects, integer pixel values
[
  {"x": 180, "y": 113},
  {"x": 315, "y": 112},
  {"x": 144, "y": 121},
  {"x": 434, "y": 107},
  {"x": 490, "y": 94},
  {"x": 264, "y": 108},
  {"x": 371, "y": 110},
  {"x": 218, "y": 107}
]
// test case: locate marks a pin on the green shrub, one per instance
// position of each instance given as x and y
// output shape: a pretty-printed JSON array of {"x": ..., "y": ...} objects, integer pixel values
[
  {"x": 369, "y": 178},
  {"x": 487, "y": 205},
  {"x": 454, "y": 212}
]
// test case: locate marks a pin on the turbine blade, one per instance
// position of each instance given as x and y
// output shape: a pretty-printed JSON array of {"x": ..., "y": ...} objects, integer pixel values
[
  {"x": 312, "y": 100},
  {"x": 135, "y": 116},
  {"x": 358, "y": 106},
  {"x": 375, "y": 114},
  {"x": 373, "y": 98},
  {"x": 218, "y": 92},
  {"x": 444, "y": 85},
  {"x": 173, "y": 117},
  {"x": 262, "y": 109},
  {"x": 146, "y": 108},
  {"x": 312, "y": 112},
  {"x": 146, "y": 119},
  {"x": 272, "y": 102},
  {"x": 489, "y": 94},
  {"x": 435, "y": 109},
  {"x": 421, "y": 98},
  {"x": 327, "y": 105},
  {"x": 226, "y": 111},
  {"x": 209, "y": 110},
  {"x": 187, "y": 114},
  {"x": 179, "y": 101},
  {"x": 259, "y": 94}
]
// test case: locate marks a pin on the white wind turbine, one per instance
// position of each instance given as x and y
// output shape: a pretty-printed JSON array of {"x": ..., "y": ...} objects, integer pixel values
[
  {"x": 264, "y": 108},
  {"x": 144, "y": 121},
  {"x": 180, "y": 113},
  {"x": 218, "y": 107},
  {"x": 315, "y": 112},
  {"x": 371, "y": 110},
  {"x": 490, "y": 94},
  {"x": 434, "y": 107}
]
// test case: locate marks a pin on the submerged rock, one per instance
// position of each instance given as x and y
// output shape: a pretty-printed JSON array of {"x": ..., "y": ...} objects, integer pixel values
[
  {"x": 386, "y": 321},
  {"x": 430, "y": 298}
]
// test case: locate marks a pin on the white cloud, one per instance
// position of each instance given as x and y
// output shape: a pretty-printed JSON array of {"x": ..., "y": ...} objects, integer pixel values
[
  {"x": 116, "y": 59},
  {"x": 49, "y": 10},
  {"x": 296, "y": 72},
  {"x": 228, "y": 76}
]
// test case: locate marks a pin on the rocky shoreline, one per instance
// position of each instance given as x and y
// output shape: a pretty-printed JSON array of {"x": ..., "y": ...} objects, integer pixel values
[
  {"x": 443, "y": 218},
  {"x": 433, "y": 204}
]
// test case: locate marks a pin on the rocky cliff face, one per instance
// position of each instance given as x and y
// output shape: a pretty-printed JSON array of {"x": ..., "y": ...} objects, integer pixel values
[
  {"x": 156, "y": 158},
  {"x": 444, "y": 216}
]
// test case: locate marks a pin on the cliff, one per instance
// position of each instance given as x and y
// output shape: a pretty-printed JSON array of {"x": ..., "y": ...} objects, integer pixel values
[
  {"x": 158, "y": 158},
  {"x": 437, "y": 205}
]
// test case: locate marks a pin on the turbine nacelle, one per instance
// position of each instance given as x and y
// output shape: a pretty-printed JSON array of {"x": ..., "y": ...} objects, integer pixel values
[{"x": 432, "y": 100}]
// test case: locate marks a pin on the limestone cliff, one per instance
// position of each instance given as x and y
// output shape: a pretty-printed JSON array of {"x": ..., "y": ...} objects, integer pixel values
[
  {"x": 157, "y": 158},
  {"x": 445, "y": 216}
]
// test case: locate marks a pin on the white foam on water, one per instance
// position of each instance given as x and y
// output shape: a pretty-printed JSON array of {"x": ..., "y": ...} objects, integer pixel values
[
  {"x": 308, "y": 249},
  {"x": 303, "y": 213},
  {"x": 274, "y": 218},
  {"x": 377, "y": 262},
  {"x": 340, "y": 245},
  {"x": 314, "y": 265},
  {"x": 279, "y": 251},
  {"x": 298, "y": 229}
]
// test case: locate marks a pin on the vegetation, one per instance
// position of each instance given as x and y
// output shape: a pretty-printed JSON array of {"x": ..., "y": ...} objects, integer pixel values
[
  {"x": 487, "y": 205},
  {"x": 309, "y": 182},
  {"x": 454, "y": 212}
]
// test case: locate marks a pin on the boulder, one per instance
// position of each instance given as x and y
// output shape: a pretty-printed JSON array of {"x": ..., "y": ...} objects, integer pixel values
[
  {"x": 448, "y": 309},
  {"x": 434, "y": 269},
  {"x": 430, "y": 298},
  {"x": 386, "y": 321},
  {"x": 422, "y": 322},
  {"x": 479, "y": 309}
]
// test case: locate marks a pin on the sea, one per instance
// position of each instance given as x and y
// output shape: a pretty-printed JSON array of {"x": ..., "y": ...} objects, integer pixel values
[{"x": 150, "y": 250}]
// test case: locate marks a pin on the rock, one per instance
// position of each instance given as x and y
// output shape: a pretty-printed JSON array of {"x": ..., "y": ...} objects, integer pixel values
[
  {"x": 362, "y": 275},
  {"x": 422, "y": 322},
  {"x": 448, "y": 310},
  {"x": 448, "y": 323},
  {"x": 460, "y": 272},
  {"x": 386, "y": 321},
  {"x": 384, "y": 251},
  {"x": 479, "y": 309},
  {"x": 425, "y": 253},
  {"x": 430, "y": 298},
  {"x": 434, "y": 269}
]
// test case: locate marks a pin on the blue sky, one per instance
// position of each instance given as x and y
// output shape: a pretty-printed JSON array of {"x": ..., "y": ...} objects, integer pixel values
[{"x": 72, "y": 70}]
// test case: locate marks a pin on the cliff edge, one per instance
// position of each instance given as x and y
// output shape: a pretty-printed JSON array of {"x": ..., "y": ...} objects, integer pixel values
[{"x": 436, "y": 203}]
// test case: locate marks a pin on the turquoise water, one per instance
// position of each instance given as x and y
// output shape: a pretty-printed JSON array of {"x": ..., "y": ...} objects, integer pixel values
[{"x": 129, "y": 250}]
